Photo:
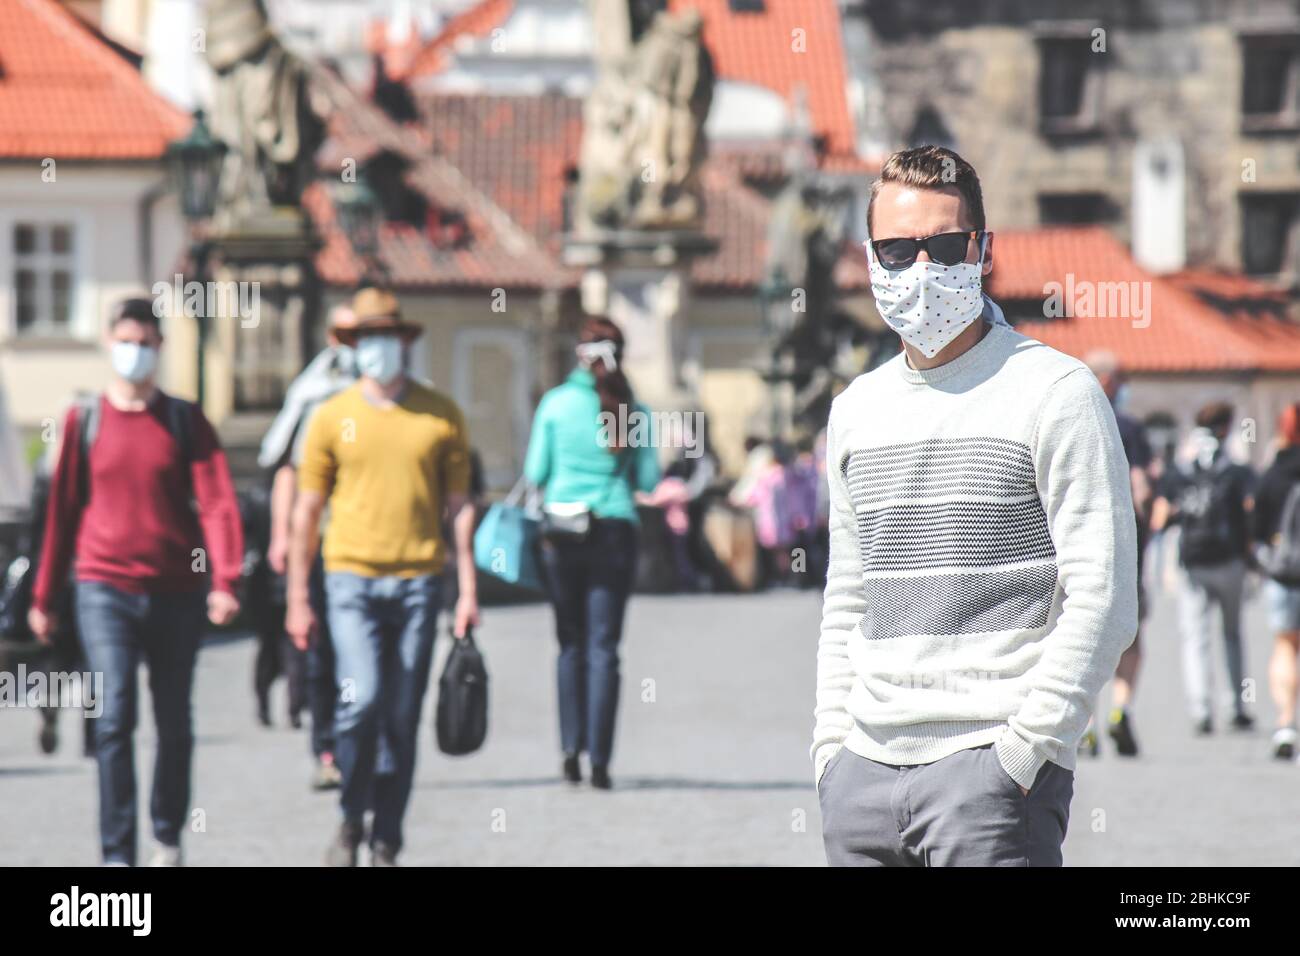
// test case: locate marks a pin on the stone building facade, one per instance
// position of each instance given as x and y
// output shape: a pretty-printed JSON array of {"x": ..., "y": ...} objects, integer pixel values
[{"x": 1057, "y": 103}]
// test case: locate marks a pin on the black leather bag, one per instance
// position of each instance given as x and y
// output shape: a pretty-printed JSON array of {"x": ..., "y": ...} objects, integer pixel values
[{"x": 462, "y": 714}]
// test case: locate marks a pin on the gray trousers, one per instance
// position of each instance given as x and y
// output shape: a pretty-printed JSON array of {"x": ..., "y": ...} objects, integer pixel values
[
  {"x": 1200, "y": 589},
  {"x": 962, "y": 810}
]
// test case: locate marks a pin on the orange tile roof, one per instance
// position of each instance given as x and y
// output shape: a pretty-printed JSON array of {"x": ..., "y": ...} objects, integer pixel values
[
  {"x": 498, "y": 252},
  {"x": 756, "y": 48},
  {"x": 1188, "y": 330},
  {"x": 477, "y": 21},
  {"x": 64, "y": 94},
  {"x": 760, "y": 48}
]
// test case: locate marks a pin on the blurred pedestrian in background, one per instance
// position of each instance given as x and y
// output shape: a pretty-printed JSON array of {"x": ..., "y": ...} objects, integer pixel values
[
  {"x": 763, "y": 490},
  {"x": 1137, "y": 451},
  {"x": 333, "y": 370},
  {"x": 802, "y": 498},
  {"x": 672, "y": 495},
  {"x": 391, "y": 457},
  {"x": 1277, "y": 533},
  {"x": 588, "y": 472},
  {"x": 1210, "y": 501},
  {"x": 133, "y": 464}
]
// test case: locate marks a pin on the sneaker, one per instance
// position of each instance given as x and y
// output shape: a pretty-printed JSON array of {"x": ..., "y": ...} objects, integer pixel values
[
  {"x": 572, "y": 769},
  {"x": 327, "y": 775},
  {"x": 1243, "y": 722},
  {"x": 600, "y": 778},
  {"x": 164, "y": 855},
  {"x": 1284, "y": 743},
  {"x": 343, "y": 851},
  {"x": 1088, "y": 743},
  {"x": 1203, "y": 727},
  {"x": 381, "y": 854},
  {"x": 1121, "y": 731}
]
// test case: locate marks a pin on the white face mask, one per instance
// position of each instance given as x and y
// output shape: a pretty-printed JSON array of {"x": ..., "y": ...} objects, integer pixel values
[
  {"x": 133, "y": 361},
  {"x": 928, "y": 303},
  {"x": 380, "y": 357}
]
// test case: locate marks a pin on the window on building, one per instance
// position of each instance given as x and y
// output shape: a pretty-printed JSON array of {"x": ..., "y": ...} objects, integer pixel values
[
  {"x": 1270, "y": 82},
  {"x": 1069, "y": 84},
  {"x": 1063, "y": 209},
  {"x": 1268, "y": 232},
  {"x": 746, "y": 6},
  {"x": 43, "y": 277}
]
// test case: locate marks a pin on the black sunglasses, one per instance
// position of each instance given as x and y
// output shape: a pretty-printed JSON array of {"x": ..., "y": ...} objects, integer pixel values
[{"x": 947, "y": 248}]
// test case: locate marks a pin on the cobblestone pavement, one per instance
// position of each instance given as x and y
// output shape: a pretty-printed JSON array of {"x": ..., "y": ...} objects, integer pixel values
[{"x": 711, "y": 764}]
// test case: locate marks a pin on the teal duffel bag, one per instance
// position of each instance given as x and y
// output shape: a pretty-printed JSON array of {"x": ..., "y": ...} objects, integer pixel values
[{"x": 505, "y": 544}]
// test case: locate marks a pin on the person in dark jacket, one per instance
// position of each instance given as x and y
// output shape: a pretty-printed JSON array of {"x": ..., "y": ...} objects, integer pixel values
[
  {"x": 1283, "y": 600},
  {"x": 1137, "y": 450},
  {"x": 1211, "y": 501}
]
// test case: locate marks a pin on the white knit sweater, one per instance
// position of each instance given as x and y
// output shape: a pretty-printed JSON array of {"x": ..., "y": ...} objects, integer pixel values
[{"x": 983, "y": 559}]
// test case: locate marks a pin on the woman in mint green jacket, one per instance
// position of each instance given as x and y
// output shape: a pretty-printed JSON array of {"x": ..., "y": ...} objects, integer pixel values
[{"x": 591, "y": 448}]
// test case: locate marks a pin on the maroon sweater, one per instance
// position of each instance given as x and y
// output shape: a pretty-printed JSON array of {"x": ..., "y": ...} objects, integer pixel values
[{"x": 137, "y": 531}]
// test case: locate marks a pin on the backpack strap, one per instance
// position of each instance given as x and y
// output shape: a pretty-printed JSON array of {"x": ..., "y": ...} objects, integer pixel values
[
  {"x": 88, "y": 412},
  {"x": 177, "y": 415}
]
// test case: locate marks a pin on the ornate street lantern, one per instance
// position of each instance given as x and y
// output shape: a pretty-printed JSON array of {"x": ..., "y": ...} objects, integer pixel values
[{"x": 195, "y": 164}]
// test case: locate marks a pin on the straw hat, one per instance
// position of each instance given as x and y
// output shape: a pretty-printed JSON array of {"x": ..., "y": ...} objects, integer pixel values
[{"x": 376, "y": 310}]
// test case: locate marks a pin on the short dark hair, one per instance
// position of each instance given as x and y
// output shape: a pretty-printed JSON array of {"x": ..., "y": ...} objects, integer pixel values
[
  {"x": 135, "y": 308},
  {"x": 1216, "y": 416},
  {"x": 932, "y": 167}
]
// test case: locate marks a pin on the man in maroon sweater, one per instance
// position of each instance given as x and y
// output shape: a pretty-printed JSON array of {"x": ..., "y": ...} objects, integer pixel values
[{"x": 143, "y": 555}]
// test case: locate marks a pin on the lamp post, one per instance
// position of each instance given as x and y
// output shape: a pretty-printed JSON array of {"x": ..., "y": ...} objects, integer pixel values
[
  {"x": 194, "y": 161},
  {"x": 358, "y": 212},
  {"x": 772, "y": 289}
]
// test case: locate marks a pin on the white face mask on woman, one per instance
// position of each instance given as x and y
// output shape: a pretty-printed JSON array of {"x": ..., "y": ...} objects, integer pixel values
[{"x": 928, "y": 303}]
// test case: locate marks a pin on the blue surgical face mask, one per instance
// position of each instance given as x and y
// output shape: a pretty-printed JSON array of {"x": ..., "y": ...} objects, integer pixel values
[
  {"x": 134, "y": 361},
  {"x": 380, "y": 357},
  {"x": 345, "y": 360}
]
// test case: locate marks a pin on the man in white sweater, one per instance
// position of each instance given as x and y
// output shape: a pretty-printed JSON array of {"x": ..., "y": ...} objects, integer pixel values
[{"x": 983, "y": 563}]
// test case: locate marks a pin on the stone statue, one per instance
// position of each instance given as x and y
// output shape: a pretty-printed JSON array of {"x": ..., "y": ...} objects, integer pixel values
[
  {"x": 261, "y": 110},
  {"x": 643, "y": 139}
]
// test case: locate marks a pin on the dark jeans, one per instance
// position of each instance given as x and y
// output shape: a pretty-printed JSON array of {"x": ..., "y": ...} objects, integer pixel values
[
  {"x": 588, "y": 583},
  {"x": 383, "y": 630},
  {"x": 118, "y": 630},
  {"x": 276, "y": 655},
  {"x": 322, "y": 692}
]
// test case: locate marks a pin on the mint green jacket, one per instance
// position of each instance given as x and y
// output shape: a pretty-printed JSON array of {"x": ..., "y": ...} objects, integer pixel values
[{"x": 566, "y": 458}]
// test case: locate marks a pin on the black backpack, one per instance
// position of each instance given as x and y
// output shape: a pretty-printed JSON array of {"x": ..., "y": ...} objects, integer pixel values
[
  {"x": 177, "y": 415},
  {"x": 1280, "y": 560},
  {"x": 461, "y": 719},
  {"x": 1209, "y": 508}
]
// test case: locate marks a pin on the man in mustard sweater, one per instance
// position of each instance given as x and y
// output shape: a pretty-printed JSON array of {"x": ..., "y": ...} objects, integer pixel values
[{"x": 391, "y": 457}]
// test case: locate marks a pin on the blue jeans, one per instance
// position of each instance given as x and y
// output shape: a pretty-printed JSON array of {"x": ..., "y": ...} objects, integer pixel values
[
  {"x": 588, "y": 583},
  {"x": 383, "y": 630},
  {"x": 118, "y": 630}
]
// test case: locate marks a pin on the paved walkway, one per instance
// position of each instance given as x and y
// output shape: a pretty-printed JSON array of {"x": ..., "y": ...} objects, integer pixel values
[{"x": 711, "y": 765}]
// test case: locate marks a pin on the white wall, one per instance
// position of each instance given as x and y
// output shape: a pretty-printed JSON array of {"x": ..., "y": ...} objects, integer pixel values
[{"x": 104, "y": 204}]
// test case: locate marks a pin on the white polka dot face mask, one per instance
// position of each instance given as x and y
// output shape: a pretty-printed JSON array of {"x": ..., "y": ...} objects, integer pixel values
[{"x": 928, "y": 303}]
